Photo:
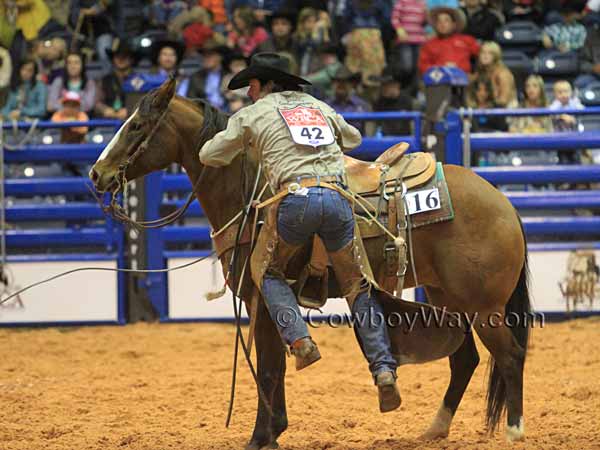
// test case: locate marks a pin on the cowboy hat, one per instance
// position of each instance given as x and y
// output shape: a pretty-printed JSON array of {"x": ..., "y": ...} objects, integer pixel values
[
  {"x": 283, "y": 13},
  {"x": 387, "y": 76},
  {"x": 174, "y": 44},
  {"x": 457, "y": 15},
  {"x": 344, "y": 74},
  {"x": 266, "y": 66},
  {"x": 121, "y": 47}
]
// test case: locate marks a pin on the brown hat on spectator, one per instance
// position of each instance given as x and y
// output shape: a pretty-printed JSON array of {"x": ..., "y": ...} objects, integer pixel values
[{"x": 457, "y": 15}]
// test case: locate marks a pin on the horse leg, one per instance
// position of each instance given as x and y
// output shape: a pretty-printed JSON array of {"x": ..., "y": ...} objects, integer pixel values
[
  {"x": 462, "y": 366},
  {"x": 506, "y": 373},
  {"x": 270, "y": 355}
]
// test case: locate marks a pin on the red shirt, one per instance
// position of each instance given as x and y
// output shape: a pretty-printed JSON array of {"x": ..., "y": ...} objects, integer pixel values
[{"x": 457, "y": 49}]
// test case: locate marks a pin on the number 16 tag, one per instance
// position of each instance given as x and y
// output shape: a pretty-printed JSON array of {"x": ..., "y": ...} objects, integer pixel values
[
  {"x": 421, "y": 201},
  {"x": 307, "y": 126}
]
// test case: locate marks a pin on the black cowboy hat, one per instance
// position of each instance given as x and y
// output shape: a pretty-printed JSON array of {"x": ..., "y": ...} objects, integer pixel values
[
  {"x": 344, "y": 74},
  {"x": 283, "y": 13},
  {"x": 266, "y": 66},
  {"x": 215, "y": 47},
  {"x": 387, "y": 76},
  {"x": 122, "y": 47},
  {"x": 176, "y": 45}
]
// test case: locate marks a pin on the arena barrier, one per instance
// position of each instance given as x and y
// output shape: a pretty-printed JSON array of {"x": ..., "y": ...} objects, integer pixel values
[
  {"x": 562, "y": 272},
  {"x": 179, "y": 296},
  {"x": 49, "y": 237}
]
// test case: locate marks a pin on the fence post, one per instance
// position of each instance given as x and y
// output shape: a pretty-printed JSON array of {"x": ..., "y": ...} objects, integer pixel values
[{"x": 454, "y": 140}]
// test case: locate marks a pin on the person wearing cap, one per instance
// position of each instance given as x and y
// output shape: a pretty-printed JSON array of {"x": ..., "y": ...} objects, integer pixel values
[
  {"x": 111, "y": 97},
  {"x": 71, "y": 112},
  {"x": 166, "y": 56},
  {"x": 449, "y": 47},
  {"x": 345, "y": 98},
  {"x": 206, "y": 83},
  {"x": 281, "y": 26},
  {"x": 299, "y": 142}
]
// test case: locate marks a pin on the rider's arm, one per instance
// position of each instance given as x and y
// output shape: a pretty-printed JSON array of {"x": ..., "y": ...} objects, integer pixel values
[
  {"x": 348, "y": 137},
  {"x": 225, "y": 145}
]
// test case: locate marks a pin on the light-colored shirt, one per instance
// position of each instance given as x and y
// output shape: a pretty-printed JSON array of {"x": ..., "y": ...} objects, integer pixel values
[{"x": 260, "y": 130}]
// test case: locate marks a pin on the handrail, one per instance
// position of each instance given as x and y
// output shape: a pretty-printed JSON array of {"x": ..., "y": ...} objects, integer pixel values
[
  {"x": 49, "y": 124},
  {"x": 520, "y": 112},
  {"x": 487, "y": 142}
]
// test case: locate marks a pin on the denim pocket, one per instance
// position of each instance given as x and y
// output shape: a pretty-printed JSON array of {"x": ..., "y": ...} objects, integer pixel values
[
  {"x": 342, "y": 206},
  {"x": 291, "y": 210}
]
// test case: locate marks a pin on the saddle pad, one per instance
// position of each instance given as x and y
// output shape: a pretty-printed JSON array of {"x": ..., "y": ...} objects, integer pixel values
[{"x": 443, "y": 214}]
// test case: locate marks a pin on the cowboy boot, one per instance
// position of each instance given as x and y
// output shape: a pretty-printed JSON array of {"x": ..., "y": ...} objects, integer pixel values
[
  {"x": 389, "y": 396},
  {"x": 283, "y": 307}
]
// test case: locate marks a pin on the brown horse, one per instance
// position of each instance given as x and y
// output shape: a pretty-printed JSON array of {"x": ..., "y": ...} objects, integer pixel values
[{"x": 475, "y": 264}]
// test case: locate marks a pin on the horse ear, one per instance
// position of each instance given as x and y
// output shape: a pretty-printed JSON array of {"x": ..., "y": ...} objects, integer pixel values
[{"x": 164, "y": 94}]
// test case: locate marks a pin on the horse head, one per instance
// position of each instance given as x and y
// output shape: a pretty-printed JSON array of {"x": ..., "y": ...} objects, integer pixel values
[{"x": 143, "y": 144}]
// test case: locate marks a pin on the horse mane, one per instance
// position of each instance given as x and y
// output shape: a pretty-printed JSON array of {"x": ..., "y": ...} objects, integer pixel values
[{"x": 215, "y": 120}]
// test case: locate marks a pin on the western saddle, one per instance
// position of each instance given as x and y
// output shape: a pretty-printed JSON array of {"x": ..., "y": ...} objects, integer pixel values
[{"x": 382, "y": 185}]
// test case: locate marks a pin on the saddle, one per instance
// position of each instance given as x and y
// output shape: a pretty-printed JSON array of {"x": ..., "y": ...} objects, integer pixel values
[{"x": 382, "y": 183}]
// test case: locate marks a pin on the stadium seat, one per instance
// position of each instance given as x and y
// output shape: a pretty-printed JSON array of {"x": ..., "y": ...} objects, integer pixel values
[
  {"x": 590, "y": 123},
  {"x": 95, "y": 70},
  {"x": 523, "y": 35},
  {"x": 590, "y": 95},
  {"x": 519, "y": 64},
  {"x": 554, "y": 63},
  {"x": 189, "y": 66}
]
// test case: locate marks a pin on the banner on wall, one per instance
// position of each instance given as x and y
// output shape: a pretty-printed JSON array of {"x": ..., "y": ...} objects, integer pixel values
[
  {"x": 77, "y": 298},
  {"x": 188, "y": 289},
  {"x": 565, "y": 281}
]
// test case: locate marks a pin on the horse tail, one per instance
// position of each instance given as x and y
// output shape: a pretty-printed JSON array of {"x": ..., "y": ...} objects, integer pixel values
[{"x": 518, "y": 304}]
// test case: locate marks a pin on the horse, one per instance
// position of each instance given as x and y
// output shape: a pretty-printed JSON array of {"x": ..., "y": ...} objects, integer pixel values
[{"x": 475, "y": 264}]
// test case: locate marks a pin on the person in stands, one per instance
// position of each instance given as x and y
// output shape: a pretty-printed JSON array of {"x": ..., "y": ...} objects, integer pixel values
[
  {"x": 27, "y": 96},
  {"x": 449, "y": 47},
  {"x": 73, "y": 79},
  {"x": 71, "y": 112}
]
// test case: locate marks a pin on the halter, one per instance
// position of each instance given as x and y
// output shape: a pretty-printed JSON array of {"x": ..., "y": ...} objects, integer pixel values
[{"x": 115, "y": 208}]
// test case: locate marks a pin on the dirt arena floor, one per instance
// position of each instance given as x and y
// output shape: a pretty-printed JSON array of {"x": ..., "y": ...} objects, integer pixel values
[{"x": 155, "y": 387}]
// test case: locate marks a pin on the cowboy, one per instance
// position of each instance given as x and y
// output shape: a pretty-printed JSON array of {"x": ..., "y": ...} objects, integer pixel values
[{"x": 299, "y": 141}]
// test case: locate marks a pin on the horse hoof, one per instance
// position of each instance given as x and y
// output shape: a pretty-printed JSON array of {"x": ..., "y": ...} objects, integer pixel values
[
  {"x": 255, "y": 446},
  {"x": 433, "y": 435},
  {"x": 515, "y": 433}
]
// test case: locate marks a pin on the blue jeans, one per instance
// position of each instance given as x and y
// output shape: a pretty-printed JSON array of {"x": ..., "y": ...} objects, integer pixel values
[{"x": 326, "y": 213}]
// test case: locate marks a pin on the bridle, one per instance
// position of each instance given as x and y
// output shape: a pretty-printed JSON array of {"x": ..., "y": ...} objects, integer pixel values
[{"x": 114, "y": 207}]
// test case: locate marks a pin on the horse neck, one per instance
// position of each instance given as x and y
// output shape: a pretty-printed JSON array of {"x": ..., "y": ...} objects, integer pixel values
[{"x": 220, "y": 190}]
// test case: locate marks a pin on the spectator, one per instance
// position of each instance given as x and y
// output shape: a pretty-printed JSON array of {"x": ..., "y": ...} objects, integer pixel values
[
  {"x": 490, "y": 65},
  {"x": 534, "y": 97},
  {"x": 111, "y": 98},
  {"x": 569, "y": 34},
  {"x": 408, "y": 19},
  {"x": 72, "y": 79},
  {"x": 432, "y": 4},
  {"x": 281, "y": 25},
  {"x": 50, "y": 58},
  {"x": 392, "y": 98},
  {"x": 27, "y": 96},
  {"x": 480, "y": 95},
  {"x": 532, "y": 10},
  {"x": 311, "y": 32},
  {"x": 344, "y": 95},
  {"x": 208, "y": 81},
  {"x": 166, "y": 56},
  {"x": 197, "y": 30},
  {"x": 71, "y": 112},
  {"x": 5, "y": 74},
  {"x": 246, "y": 34},
  {"x": 364, "y": 46},
  {"x": 218, "y": 10},
  {"x": 31, "y": 16},
  {"x": 163, "y": 11},
  {"x": 329, "y": 64},
  {"x": 590, "y": 59},
  {"x": 563, "y": 98},
  {"x": 482, "y": 21},
  {"x": 261, "y": 8},
  {"x": 95, "y": 25},
  {"x": 449, "y": 47},
  {"x": 235, "y": 63}
]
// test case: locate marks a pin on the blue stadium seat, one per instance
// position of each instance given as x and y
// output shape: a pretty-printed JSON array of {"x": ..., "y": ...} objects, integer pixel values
[
  {"x": 554, "y": 63},
  {"x": 524, "y": 35},
  {"x": 189, "y": 66},
  {"x": 590, "y": 123},
  {"x": 95, "y": 70},
  {"x": 518, "y": 61},
  {"x": 590, "y": 95}
]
